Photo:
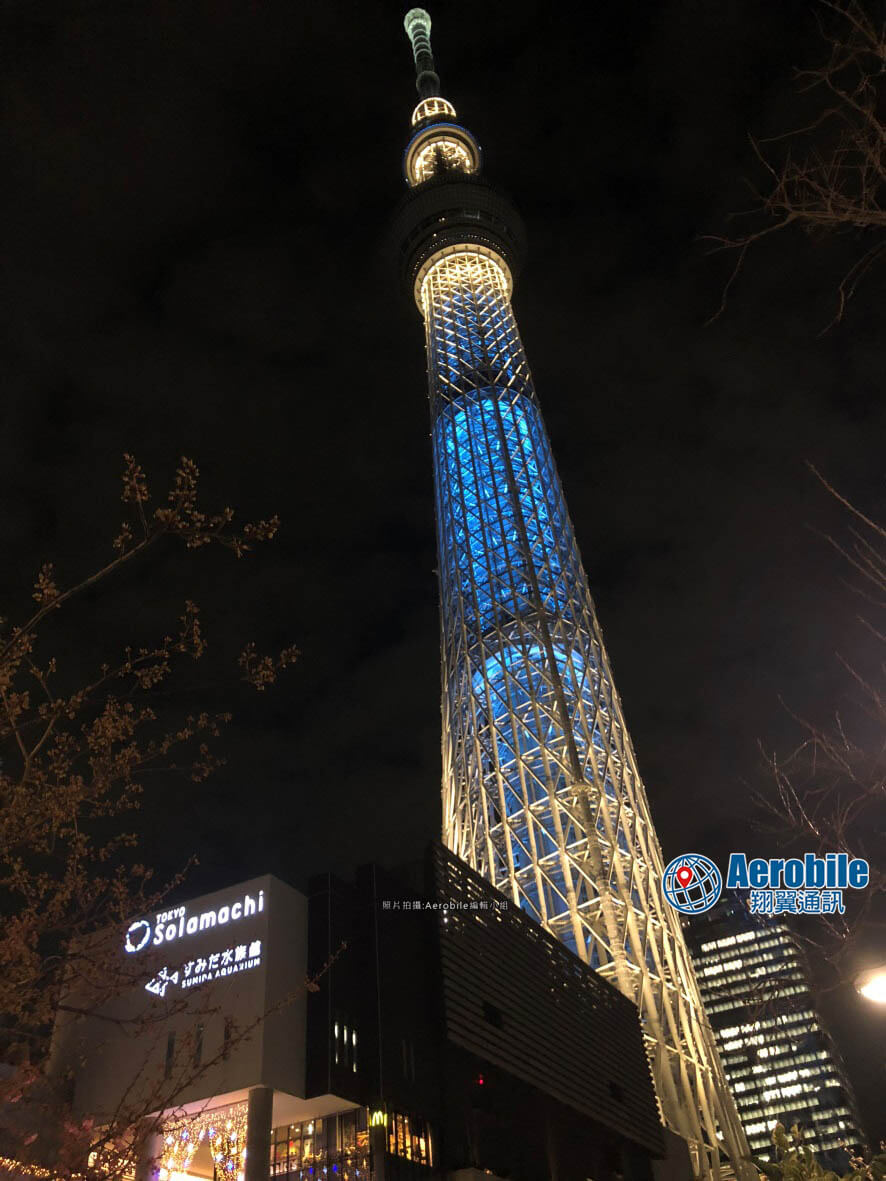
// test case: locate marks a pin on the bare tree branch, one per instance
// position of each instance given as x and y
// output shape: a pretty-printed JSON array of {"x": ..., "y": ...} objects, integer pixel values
[
  {"x": 830, "y": 792},
  {"x": 72, "y": 770},
  {"x": 829, "y": 175}
]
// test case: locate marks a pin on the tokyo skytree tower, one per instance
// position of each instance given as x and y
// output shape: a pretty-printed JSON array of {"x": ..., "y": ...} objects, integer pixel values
[{"x": 541, "y": 792}]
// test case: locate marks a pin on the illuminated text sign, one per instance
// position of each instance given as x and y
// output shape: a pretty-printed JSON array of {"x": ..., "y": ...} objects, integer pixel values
[{"x": 170, "y": 925}]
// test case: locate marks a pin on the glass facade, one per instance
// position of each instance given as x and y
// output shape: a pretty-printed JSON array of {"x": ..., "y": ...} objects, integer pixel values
[
  {"x": 334, "y": 1147},
  {"x": 337, "y": 1146},
  {"x": 779, "y": 1060},
  {"x": 410, "y": 1138}
]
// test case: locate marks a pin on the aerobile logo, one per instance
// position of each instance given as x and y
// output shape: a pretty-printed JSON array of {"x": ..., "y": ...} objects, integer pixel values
[
  {"x": 834, "y": 871},
  {"x": 808, "y": 885},
  {"x": 692, "y": 883}
]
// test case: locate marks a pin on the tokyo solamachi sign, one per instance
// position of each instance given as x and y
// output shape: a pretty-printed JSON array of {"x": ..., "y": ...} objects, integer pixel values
[{"x": 168, "y": 926}]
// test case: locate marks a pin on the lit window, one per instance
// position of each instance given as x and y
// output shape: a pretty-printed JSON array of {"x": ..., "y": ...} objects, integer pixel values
[
  {"x": 441, "y": 153},
  {"x": 409, "y": 1138},
  {"x": 433, "y": 108}
]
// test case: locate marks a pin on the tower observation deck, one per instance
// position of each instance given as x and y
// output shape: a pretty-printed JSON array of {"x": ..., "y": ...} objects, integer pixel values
[{"x": 541, "y": 791}]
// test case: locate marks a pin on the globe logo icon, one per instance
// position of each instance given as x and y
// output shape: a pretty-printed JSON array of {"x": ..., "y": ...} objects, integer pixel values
[{"x": 692, "y": 883}]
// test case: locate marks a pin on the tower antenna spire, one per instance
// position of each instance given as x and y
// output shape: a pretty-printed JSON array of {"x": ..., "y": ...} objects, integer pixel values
[{"x": 417, "y": 24}]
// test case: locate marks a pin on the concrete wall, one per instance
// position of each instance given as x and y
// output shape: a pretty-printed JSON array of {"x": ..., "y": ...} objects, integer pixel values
[{"x": 259, "y": 998}]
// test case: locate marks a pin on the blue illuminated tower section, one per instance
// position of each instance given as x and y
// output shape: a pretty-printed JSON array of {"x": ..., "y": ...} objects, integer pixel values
[{"x": 541, "y": 792}]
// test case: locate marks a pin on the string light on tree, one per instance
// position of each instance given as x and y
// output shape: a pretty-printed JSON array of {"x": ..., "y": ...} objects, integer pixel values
[{"x": 224, "y": 1131}]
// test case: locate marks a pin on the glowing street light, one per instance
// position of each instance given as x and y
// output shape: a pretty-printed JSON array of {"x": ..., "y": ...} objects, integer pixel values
[{"x": 872, "y": 984}]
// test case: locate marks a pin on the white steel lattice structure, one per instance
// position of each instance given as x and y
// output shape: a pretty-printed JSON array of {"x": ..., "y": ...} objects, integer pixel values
[{"x": 541, "y": 792}]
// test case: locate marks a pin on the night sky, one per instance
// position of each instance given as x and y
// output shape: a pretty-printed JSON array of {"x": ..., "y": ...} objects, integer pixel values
[{"x": 195, "y": 203}]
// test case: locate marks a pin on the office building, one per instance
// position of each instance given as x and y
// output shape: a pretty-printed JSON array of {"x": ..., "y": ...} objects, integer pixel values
[{"x": 780, "y": 1061}]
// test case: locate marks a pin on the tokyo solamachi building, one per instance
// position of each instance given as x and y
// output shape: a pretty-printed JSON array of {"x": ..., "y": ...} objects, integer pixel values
[
  {"x": 523, "y": 1003},
  {"x": 446, "y": 1035}
]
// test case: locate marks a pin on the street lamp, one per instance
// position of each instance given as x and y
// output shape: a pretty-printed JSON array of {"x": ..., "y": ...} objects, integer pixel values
[{"x": 872, "y": 984}]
